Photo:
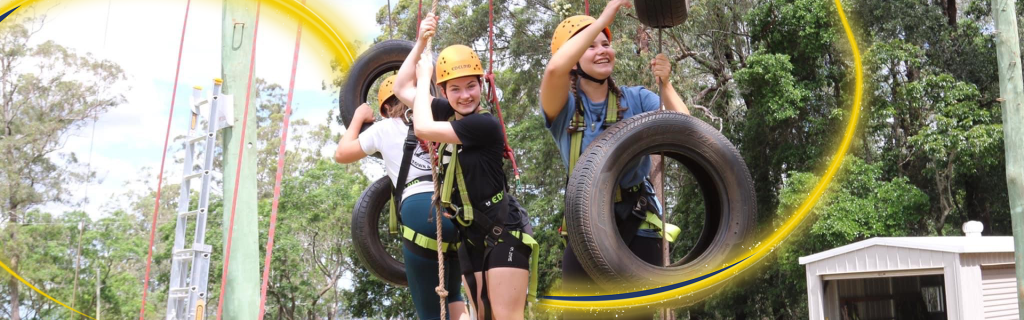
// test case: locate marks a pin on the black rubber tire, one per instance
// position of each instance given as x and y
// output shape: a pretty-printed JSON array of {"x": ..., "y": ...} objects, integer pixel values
[
  {"x": 661, "y": 13},
  {"x": 381, "y": 58},
  {"x": 371, "y": 207},
  {"x": 724, "y": 180}
]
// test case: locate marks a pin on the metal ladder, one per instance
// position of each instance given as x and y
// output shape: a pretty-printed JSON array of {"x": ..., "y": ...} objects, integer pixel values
[{"x": 190, "y": 265}]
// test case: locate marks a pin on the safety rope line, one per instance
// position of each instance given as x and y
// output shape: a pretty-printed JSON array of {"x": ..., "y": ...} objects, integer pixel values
[
  {"x": 238, "y": 167},
  {"x": 163, "y": 159},
  {"x": 441, "y": 291},
  {"x": 492, "y": 92},
  {"x": 16, "y": 276},
  {"x": 277, "y": 178}
]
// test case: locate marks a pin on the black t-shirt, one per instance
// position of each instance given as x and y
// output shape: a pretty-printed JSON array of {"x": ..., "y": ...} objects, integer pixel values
[{"x": 480, "y": 154}]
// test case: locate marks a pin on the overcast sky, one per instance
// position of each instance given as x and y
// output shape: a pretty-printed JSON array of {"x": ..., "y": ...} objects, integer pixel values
[{"x": 143, "y": 38}]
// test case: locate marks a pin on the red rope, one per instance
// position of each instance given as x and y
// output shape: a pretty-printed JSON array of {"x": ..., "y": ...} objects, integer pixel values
[
  {"x": 163, "y": 158},
  {"x": 277, "y": 179},
  {"x": 238, "y": 167},
  {"x": 586, "y": 7},
  {"x": 419, "y": 13},
  {"x": 493, "y": 90}
]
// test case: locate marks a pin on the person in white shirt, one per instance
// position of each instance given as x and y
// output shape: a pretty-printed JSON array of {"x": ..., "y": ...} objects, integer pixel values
[{"x": 388, "y": 137}]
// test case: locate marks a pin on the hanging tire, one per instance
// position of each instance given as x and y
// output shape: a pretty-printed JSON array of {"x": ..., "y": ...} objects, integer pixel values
[
  {"x": 723, "y": 178},
  {"x": 377, "y": 254},
  {"x": 381, "y": 58},
  {"x": 661, "y": 13}
]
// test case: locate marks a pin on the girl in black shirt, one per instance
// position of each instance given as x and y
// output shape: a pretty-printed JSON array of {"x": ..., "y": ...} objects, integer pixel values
[{"x": 472, "y": 142}]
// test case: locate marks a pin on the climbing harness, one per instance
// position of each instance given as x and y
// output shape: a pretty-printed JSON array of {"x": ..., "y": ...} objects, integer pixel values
[
  {"x": 494, "y": 231},
  {"x": 464, "y": 213},
  {"x": 578, "y": 126}
]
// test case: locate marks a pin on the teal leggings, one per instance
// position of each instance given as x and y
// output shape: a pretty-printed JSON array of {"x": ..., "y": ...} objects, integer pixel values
[{"x": 421, "y": 268}]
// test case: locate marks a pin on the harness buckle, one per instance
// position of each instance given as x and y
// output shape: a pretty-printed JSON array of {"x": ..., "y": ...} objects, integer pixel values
[
  {"x": 492, "y": 238},
  {"x": 638, "y": 209}
]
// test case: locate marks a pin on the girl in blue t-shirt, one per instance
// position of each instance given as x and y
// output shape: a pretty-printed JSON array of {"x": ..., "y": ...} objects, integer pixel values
[{"x": 578, "y": 82}]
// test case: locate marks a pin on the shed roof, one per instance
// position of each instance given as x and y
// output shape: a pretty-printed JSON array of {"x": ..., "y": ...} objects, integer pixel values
[{"x": 943, "y": 244}]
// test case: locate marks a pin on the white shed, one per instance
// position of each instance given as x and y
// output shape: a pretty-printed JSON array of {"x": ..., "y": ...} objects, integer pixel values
[{"x": 952, "y": 278}]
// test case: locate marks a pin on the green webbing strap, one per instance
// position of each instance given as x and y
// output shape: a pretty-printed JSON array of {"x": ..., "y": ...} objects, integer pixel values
[
  {"x": 578, "y": 126},
  {"x": 652, "y": 221},
  {"x": 454, "y": 171},
  {"x": 393, "y": 218},
  {"x": 427, "y": 242},
  {"x": 466, "y": 218},
  {"x": 449, "y": 176}
]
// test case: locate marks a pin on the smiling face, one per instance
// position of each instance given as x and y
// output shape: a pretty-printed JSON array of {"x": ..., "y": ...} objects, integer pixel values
[
  {"x": 463, "y": 93},
  {"x": 599, "y": 59}
]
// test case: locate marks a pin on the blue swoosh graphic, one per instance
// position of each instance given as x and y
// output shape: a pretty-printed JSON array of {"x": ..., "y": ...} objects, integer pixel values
[
  {"x": 641, "y": 293},
  {"x": 8, "y": 13}
]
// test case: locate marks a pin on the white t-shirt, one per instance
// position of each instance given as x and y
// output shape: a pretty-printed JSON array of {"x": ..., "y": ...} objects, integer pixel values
[{"x": 388, "y": 138}]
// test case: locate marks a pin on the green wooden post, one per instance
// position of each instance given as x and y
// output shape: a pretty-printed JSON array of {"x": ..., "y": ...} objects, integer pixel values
[
  {"x": 241, "y": 294},
  {"x": 1011, "y": 92}
]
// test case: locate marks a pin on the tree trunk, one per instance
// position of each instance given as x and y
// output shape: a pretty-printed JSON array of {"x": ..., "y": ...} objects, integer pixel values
[
  {"x": 951, "y": 12},
  {"x": 12, "y": 285}
]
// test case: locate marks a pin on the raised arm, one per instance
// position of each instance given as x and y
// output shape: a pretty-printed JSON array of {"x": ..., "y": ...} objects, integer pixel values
[
  {"x": 405, "y": 80},
  {"x": 349, "y": 150},
  {"x": 554, "y": 86},
  {"x": 422, "y": 116}
]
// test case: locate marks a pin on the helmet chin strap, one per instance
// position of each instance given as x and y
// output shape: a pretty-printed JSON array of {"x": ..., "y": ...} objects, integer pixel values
[{"x": 583, "y": 74}]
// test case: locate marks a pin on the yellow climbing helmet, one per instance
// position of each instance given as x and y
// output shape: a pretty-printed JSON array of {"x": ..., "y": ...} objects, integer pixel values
[
  {"x": 458, "y": 61},
  {"x": 386, "y": 91},
  {"x": 569, "y": 27}
]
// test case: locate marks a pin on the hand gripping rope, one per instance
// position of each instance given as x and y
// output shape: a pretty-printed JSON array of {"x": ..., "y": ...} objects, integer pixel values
[{"x": 442, "y": 293}]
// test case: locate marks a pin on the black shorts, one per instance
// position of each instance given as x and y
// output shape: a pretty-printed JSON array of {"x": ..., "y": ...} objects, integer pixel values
[{"x": 503, "y": 255}]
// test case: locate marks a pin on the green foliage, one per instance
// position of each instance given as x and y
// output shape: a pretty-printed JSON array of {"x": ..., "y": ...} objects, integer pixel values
[
  {"x": 768, "y": 81},
  {"x": 48, "y": 91}
]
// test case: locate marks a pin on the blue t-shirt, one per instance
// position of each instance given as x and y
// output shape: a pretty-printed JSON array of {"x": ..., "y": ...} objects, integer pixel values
[{"x": 637, "y": 99}]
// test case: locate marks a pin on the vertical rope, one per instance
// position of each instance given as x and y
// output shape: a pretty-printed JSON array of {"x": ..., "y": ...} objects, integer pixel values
[
  {"x": 442, "y": 292},
  {"x": 280, "y": 172},
  {"x": 665, "y": 253},
  {"x": 238, "y": 167},
  {"x": 492, "y": 92},
  {"x": 586, "y": 7},
  {"x": 163, "y": 158}
]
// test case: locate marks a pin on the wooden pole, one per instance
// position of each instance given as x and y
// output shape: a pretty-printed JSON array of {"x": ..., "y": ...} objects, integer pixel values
[
  {"x": 242, "y": 290},
  {"x": 1011, "y": 92}
]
